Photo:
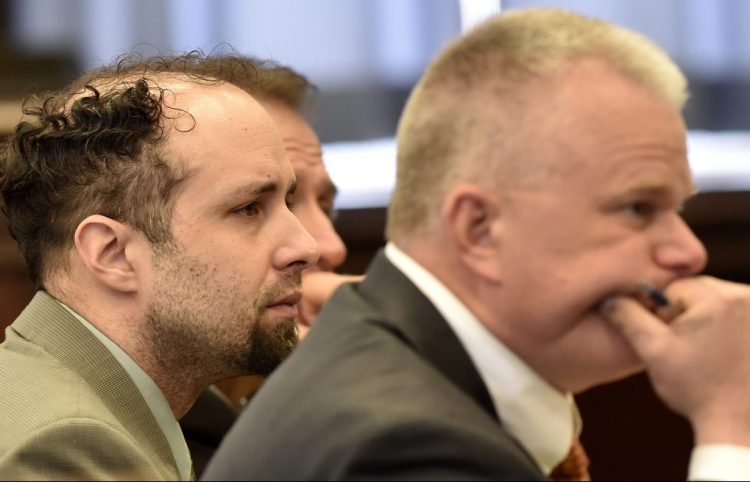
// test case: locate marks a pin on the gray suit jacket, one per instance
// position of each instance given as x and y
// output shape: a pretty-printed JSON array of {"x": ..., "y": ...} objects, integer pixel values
[
  {"x": 381, "y": 389},
  {"x": 68, "y": 410}
]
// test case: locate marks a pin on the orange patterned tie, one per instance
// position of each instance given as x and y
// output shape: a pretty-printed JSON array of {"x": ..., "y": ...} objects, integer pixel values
[{"x": 575, "y": 466}]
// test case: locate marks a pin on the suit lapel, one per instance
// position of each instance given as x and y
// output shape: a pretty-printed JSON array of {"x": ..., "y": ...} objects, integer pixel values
[
  {"x": 412, "y": 317},
  {"x": 48, "y": 324}
]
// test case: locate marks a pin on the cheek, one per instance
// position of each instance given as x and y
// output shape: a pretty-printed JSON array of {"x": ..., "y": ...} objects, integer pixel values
[
  {"x": 573, "y": 297},
  {"x": 236, "y": 266},
  {"x": 592, "y": 353},
  {"x": 593, "y": 263},
  {"x": 561, "y": 292}
]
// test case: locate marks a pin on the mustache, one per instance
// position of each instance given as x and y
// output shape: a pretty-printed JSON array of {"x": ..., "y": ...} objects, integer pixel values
[{"x": 290, "y": 283}]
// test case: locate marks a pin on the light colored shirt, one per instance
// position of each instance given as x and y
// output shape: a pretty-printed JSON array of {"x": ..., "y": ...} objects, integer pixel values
[
  {"x": 540, "y": 417},
  {"x": 154, "y": 398},
  {"x": 719, "y": 462}
]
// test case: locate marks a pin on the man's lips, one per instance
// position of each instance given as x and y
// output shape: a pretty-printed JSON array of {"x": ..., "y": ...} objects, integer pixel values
[{"x": 292, "y": 299}]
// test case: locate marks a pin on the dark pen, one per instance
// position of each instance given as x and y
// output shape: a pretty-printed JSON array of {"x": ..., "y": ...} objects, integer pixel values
[{"x": 654, "y": 294}]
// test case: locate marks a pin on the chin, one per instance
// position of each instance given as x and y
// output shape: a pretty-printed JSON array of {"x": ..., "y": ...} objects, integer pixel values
[
  {"x": 610, "y": 367},
  {"x": 609, "y": 358}
]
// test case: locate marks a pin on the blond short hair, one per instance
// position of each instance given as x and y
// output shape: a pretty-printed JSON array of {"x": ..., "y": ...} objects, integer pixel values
[{"x": 446, "y": 123}]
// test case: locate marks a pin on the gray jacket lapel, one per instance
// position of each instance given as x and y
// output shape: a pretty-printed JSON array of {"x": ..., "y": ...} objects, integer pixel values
[{"x": 413, "y": 317}]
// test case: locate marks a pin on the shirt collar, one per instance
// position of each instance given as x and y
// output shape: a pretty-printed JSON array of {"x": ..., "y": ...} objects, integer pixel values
[
  {"x": 153, "y": 396},
  {"x": 543, "y": 419}
]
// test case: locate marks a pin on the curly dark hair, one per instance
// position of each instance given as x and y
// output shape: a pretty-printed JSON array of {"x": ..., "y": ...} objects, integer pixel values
[
  {"x": 264, "y": 79},
  {"x": 94, "y": 148}
]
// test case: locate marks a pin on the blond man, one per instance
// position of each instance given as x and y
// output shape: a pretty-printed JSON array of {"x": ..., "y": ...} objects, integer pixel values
[{"x": 534, "y": 224}]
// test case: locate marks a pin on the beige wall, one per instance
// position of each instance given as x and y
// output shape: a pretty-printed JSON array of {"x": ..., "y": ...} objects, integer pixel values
[{"x": 10, "y": 114}]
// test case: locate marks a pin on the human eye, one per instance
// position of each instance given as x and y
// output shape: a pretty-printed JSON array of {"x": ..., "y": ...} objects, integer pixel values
[
  {"x": 248, "y": 210},
  {"x": 642, "y": 212},
  {"x": 643, "y": 209}
]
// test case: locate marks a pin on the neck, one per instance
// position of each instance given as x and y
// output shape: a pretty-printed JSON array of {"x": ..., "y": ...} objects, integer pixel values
[
  {"x": 181, "y": 387},
  {"x": 180, "y": 376},
  {"x": 180, "y": 380}
]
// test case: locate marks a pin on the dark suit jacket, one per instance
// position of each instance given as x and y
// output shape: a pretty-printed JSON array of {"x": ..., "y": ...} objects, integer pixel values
[
  {"x": 205, "y": 425},
  {"x": 68, "y": 409},
  {"x": 380, "y": 389}
]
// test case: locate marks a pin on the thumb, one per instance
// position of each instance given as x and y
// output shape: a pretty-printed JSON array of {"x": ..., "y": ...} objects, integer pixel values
[
  {"x": 318, "y": 286},
  {"x": 645, "y": 332}
]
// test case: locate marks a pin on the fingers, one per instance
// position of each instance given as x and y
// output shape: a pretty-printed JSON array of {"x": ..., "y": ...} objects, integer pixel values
[
  {"x": 302, "y": 330},
  {"x": 644, "y": 331},
  {"x": 671, "y": 311},
  {"x": 317, "y": 288},
  {"x": 664, "y": 307}
]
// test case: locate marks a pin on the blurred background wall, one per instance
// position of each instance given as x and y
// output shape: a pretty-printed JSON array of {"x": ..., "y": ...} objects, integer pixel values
[{"x": 365, "y": 56}]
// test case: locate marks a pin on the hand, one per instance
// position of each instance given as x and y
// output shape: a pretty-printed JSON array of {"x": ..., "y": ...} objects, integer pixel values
[
  {"x": 317, "y": 287},
  {"x": 699, "y": 362}
]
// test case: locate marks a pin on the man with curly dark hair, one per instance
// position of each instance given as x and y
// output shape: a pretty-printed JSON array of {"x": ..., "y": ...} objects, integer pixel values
[
  {"x": 283, "y": 93},
  {"x": 152, "y": 209}
]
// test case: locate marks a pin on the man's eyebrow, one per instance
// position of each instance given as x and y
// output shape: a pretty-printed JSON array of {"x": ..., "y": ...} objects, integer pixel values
[
  {"x": 660, "y": 190},
  {"x": 255, "y": 189},
  {"x": 648, "y": 188}
]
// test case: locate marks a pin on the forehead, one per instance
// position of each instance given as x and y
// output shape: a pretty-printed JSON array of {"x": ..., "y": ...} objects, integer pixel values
[
  {"x": 222, "y": 137},
  {"x": 298, "y": 136},
  {"x": 592, "y": 119},
  {"x": 289, "y": 121},
  {"x": 301, "y": 144}
]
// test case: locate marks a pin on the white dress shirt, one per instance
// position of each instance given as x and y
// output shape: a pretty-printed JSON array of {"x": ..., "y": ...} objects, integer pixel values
[
  {"x": 540, "y": 417},
  {"x": 154, "y": 398}
]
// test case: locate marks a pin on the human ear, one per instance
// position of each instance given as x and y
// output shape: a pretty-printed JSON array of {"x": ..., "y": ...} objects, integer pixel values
[
  {"x": 472, "y": 217},
  {"x": 103, "y": 246}
]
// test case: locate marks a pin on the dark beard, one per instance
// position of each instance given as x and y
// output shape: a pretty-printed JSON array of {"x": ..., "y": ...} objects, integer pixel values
[
  {"x": 185, "y": 335},
  {"x": 270, "y": 347},
  {"x": 180, "y": 346}
]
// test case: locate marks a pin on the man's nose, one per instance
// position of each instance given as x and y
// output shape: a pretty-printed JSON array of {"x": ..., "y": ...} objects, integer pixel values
[
  {"x": 331, "y": 246},
  {"x": 681, "y": 251},
  {"x": 300, "y": 250}
]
